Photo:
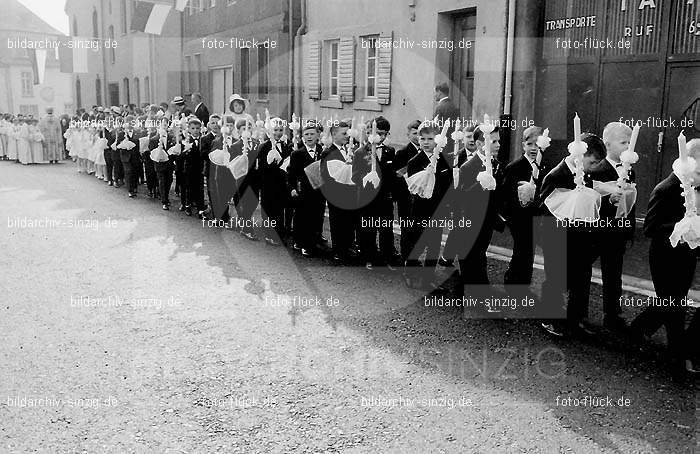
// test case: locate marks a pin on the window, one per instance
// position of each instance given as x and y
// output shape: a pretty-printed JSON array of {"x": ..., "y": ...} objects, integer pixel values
[
  {"x": 137, "y": 91},
  {"x": 147, "y": 89},
  {"x": 112, "y": 54},
  {"x": 75, "y": 26},
  {"x": 245, "y": 72},
  {"x": 127, "y": 99},
  {"x": 29, "y": 109},
  {"x": 201, "y": 5},
  {"x": 98, "y": 92},
  {"x": 123, "y": 16},
  {"x": 94, "y": 23},
  {"x": 231, "y": 2},
  {"x": 27, "y": 84},
  {"x": 333, "y": 69},
  {"x": 212, "y": 3},
  {"x": 371, "y": 60},
  {"x": 198, "y": 69},
  {"x": 109, "y": 6},
  {"x": 263, "y": 88},
  {"x": 195, "y": 5}
]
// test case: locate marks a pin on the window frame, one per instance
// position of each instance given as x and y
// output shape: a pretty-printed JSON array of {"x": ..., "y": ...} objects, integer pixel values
[
  {"x": 245, "y": 72},
  {"x": 27, "y": 84},
  {"x": 263, "y": 82},
  {"x": 366, "y": 60},
  {"x": 331, "y": 44}
]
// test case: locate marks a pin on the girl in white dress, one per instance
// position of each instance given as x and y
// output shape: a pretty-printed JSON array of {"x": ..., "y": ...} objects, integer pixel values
[
  {"x": 24, "y": 152},
  {"x": 12, "y": 134},
  {"x": 36, "y": 142},
  {"x": 99, "y": 156}
]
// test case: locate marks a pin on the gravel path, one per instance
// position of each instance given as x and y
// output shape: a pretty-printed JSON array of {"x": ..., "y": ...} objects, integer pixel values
[{"x": 125, "y": 328}]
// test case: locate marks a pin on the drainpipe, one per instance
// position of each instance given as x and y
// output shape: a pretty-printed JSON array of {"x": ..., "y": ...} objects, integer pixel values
[
  {"x": 504, "y": 152},
  {"x": 105, "y": 84},
  {"x": 298, "y": 55},
  {"x": 290, "y": 60}
]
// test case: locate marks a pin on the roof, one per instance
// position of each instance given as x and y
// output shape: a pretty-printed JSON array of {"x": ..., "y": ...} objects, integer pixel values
[{"x": 17, "y": 17}]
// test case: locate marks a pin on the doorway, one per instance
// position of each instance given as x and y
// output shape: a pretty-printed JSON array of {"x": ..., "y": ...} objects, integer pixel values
[{"x": 462, "y": 64}]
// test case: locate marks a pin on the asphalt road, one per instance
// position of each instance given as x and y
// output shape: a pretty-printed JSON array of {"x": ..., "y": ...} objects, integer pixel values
[{"x": 125, "y": 328}]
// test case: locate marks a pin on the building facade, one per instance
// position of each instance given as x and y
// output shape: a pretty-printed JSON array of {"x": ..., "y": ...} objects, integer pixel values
[
  {"x": 244, "y": 47},
  {"x": 18, "y": 93},
  {"x": 137, "y": 68},
  {"x": 385, "y": 58},
  {"x": 622, "y": 60}
]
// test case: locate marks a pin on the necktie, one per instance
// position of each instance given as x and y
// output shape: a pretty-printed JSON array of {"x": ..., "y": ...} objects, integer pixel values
[
  {"x": 619, "y": 164},
  {"x": 535, "y": 170}
]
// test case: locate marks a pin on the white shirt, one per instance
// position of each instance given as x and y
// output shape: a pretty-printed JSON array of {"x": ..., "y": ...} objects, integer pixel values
[
  {"x": 570, "y": 163},
  {"x": 441, "y": 100},
  {"x": 312, "y": 151},
  {"x": 197, "y": 106},
  {"x": 535, "y": 168},
  {"x": 342, "y": 151},
  {"x": 613, "y": 163}
]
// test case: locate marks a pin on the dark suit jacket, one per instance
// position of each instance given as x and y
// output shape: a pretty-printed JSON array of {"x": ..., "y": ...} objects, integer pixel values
[
  {"x": 518, "y": 170},
  {"x": 605, "y": 172},
  {"x": 202, "y": 113},
  {"x": 298, "y": 161},
  {"x": 446, "y": 109},
  {"x": 666, "y": 207},
  {"x": 204, "y": 149},
  {"x": 133, "y": 154},
  {"x": 385, "y": 170},
  {"x": 425, "y": 208},
  {"x": 476, "y": 203},
  {"x": 274, "y": 179},
  {"x": 338, "y": 194}
]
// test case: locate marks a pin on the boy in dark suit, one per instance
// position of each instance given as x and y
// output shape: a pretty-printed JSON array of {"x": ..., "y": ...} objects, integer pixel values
[
  {"x": 480, "y": 206},
  {"x": 213, "y": 131},
  {"x": 672, "y": 268},
  {"x": 400, "y": 190},
  {"x": 131, "y": 159},
  {"x": 274, "y": 190},
  {"x": 341, "y": 196},
  {"x": 567, "y": 249},
  {"x": 310, "y": 204},
  {"x": 375, "y": 203},
  {"x": 164, "y": 170},
  {"x": 521, "y": 214},
  {"x": 426, "y": 232},
  {"x": 247, "y": 196},
  {"x": 192, "y": 194},
  {"x": 445, "y": 108},
  {"x": 610, "y": 242}
]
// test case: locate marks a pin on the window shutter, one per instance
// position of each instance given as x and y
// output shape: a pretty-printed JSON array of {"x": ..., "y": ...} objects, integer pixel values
[
  {"x": 384, "y": 69},
  {"x": 346, "y": 69},
  {"x": 313, "y": 70}
]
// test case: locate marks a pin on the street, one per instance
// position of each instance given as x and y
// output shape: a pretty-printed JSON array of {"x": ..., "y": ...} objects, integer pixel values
[{"x": 126, "y": 328}]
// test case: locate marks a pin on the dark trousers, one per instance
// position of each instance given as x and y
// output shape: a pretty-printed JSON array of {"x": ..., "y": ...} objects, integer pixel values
[
  {"x": 165, "y": 180},
  {"x": 610, "y": 247},
  {"x": 377, "y": 210},
  {"x": 109, "y": 165},
  {"x": 343, "y": 227},
  {"x": 179, "y": 175},
  {"x": 672, "y": 271},
  {"x": 519, "y": 272},
  {"x": 117, "y": 166},
  {"x": 195, "y": 189},
  {"x": 247, "y": 198},
  {"x": 403, "y": 206},
  {"x": 308, "y": 219},
  {"x": 473, "y": 267},
  {"x": 131, "y": 174},
  {"x": 151, "y": 177}
]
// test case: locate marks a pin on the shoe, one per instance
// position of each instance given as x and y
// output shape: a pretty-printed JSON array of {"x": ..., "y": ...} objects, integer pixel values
[
  {"x": 369, "y": 266},
  {"x": 188, "y": 211},
  {"x": 443, "y": 262},
  {"x": 272, "y": 242},
  {"x": 200, "y": 214},
  {"x": 553, "y": 329},
  {"x": 181, "y": 208},
  {"x": 296, "y": 247},
  {"x": 692, "y": 367},
  {"x": 306, "y": 253},
  {"x": 132, "y": 195},
  {"x": 390, "y": 267},
  {"x": 615, "y": 323},
  {"x": 249, "y": 235},
  {"x": 166, "y": 207},
  {"x": 322, "y": 239},
  {"x": 337, "y": 258},
  {"x": 110, "y": 183}
]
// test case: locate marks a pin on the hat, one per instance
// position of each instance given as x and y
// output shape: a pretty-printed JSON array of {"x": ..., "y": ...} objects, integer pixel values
[
  {"x": 117, "y": 110},
  {"x": 237, "y": 97},
  {"x": 178, "y": 100}
]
